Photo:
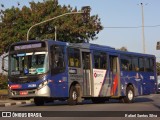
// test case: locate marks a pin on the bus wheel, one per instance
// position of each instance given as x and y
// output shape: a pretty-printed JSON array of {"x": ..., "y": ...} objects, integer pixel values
[
  {"x": 129, "y": 98},
  {"x": 38, "y": 101},
  {"x": 73, "y": 96}
]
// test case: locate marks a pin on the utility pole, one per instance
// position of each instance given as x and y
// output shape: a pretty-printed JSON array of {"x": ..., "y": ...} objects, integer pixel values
[{"x": 143, "y": 36}]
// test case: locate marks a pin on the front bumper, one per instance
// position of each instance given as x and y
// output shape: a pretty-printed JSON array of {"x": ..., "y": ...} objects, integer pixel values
[{"x": 43, "y": 92}]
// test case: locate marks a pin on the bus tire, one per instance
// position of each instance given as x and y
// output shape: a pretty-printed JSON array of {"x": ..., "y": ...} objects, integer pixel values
[
  {"x": 129, "y": 98},
  {"x": 38, "y": 101},
  {"x": 73, "y": 96}
]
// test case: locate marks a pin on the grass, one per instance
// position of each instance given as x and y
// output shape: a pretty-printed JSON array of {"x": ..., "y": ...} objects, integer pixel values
[{"x": 4, "y": 92}]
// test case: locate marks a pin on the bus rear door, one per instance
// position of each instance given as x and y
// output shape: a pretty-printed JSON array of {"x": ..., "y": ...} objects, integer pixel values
[
  {"x": 86, "y": 64},
  {"x": 114, "y": 75}
]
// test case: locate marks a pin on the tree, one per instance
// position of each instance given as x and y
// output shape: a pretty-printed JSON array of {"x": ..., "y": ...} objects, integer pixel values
[
  {"x": 158, "y": 68},
  {"x": 16, "y": 22},
  {"x": 123, "y": 49},
  {"x": 3, "y": 81}
]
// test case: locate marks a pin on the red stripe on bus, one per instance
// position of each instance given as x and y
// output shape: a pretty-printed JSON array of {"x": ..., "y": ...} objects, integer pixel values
[{"x": 115, "y": 84}]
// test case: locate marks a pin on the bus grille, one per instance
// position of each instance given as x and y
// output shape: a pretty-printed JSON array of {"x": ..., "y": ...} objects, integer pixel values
[{"x": 18, "y": 80}]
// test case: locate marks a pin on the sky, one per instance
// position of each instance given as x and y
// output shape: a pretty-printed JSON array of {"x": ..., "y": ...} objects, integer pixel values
[{"x": 119, "y": 13}]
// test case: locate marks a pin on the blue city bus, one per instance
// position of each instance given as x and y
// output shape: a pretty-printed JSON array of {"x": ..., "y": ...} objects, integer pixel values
[{"x": 52, "y": 70}]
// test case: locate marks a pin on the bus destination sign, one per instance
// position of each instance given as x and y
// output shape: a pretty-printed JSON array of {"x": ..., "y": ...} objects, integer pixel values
[{"x": 28, "y": 46}]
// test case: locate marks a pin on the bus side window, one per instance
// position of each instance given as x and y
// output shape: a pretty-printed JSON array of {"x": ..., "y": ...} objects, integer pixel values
[
  {"x": 104, "y": 65},
  {"x": 71, "y": 62},
  {"x": 147, "y": 65},
  {"x": 126, "y": 63},
  {"x": 96, "y": 64},
  {"x": 73, "y": 57},
  {"x": 151, "y": 65},
  {"x": 136, "y": 68},
  {"x": 76, "y": 62},
  {"x": 100, "y": 60},
  {"x": 135, "y": 64},
  {"x": 141, "y": 64},
  {"x": 57, "y": 59}
]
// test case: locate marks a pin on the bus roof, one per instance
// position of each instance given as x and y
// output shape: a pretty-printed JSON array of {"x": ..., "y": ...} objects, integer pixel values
[
  {"x": 91, "y": 46},
  {"x": 107, "y": 48},
  {"x": 86, "y": 46},
  {"x": 134, "y": 53}
]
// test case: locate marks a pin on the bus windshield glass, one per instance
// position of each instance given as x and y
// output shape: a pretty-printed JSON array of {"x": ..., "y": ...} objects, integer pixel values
[{"x": 29, "y": 63}]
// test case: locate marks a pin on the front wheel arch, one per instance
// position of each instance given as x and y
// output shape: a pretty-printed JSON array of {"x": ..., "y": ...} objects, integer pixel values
[{"x": 75, "y": 94}]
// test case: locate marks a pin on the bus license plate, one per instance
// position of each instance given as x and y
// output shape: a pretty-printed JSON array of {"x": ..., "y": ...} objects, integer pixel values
[{"x": 23, "y": 92}]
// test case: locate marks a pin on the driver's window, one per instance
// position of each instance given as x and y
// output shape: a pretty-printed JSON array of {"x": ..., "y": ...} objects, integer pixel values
[{"x": 57, "y": 59}]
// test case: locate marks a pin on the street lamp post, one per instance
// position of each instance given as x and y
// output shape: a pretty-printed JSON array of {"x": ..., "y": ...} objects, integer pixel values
[
  {"x": 50, "y": 20},
  {"x": 143, "y": 36},
  {"x": 55, "y": 33}
]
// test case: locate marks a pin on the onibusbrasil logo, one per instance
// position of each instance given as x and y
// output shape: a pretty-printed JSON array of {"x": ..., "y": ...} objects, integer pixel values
[{"x": 21, "y": 114}]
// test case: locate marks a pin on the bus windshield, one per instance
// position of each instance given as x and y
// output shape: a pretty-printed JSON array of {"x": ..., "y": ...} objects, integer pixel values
[{"x": 28, "y": 63}]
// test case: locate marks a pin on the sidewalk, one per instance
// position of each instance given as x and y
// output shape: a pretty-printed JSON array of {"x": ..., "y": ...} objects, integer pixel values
[{"x": 5, "y": 101}]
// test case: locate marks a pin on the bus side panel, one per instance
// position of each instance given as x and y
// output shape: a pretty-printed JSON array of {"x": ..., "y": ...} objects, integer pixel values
[
  {"x": 75, "y": 75},
  {"x": 149, "y": 83},
  {"x": 143, "y": 82},
  {"x": 59, "y": 85},
  {"x": 131, "y": 78},
  {"x": 101, "y": 83},
  {"x": 106, "y": 86}
]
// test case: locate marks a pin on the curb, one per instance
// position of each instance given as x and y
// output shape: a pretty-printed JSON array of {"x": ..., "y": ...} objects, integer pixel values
[
  {"x": 3, "y": 96},
  {"x": 15, "y": 103}
]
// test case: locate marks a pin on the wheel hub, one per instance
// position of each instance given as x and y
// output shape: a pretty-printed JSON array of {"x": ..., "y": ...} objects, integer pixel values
[
  {"x": 130, "y": 95},
  {"x": 74, "y": 95}
]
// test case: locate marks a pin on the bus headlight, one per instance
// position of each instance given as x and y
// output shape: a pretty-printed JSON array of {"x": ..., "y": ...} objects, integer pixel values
[
  {"x": 44, "y": 77},
  {"x": 44, "y": 83}
]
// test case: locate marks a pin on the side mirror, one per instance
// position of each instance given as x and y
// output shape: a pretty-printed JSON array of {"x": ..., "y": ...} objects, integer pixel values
[{"x": 5, "y": 63}]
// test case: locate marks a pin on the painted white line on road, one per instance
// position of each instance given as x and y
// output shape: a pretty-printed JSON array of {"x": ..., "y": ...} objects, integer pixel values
[
  {"x": 7, "y": 104},
  {"x": 18, "y": 103},
  {"x": 151, "y": 96},
  {"x": 28, "y": 102}
]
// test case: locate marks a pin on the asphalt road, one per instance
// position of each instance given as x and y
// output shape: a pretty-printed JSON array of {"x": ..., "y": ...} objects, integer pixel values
[{"x": 89, "y": 110}]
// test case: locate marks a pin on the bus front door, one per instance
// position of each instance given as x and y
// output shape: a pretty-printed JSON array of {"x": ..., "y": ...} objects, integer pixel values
[
  {"x": 114, "y": 75},
  {"x": 86, "y": 60}
]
